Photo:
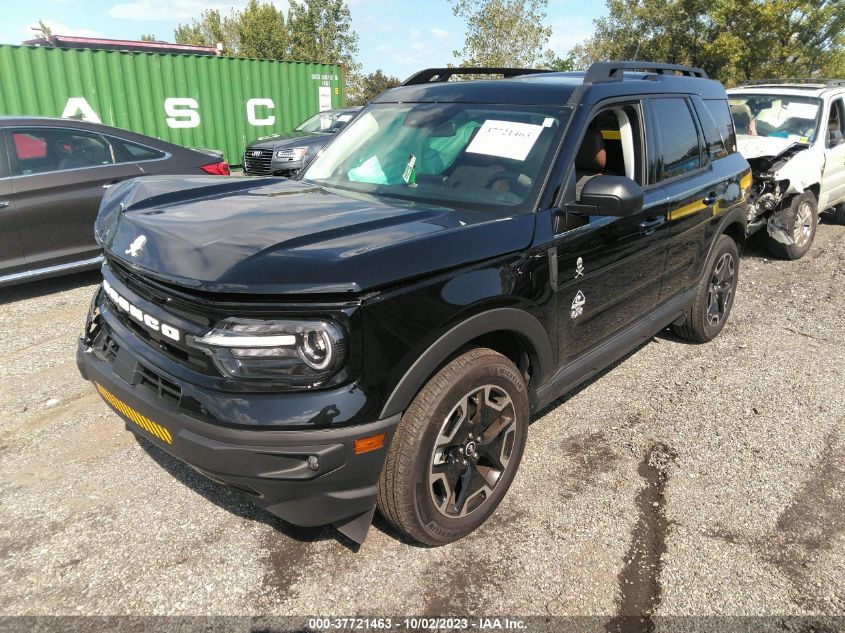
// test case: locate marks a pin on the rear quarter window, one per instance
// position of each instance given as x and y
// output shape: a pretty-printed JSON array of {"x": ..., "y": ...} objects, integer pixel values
[
  {"x": 676, "y": 150},
  {"x": 721, "y": 114},
  {"x": 136, "y": 152}
]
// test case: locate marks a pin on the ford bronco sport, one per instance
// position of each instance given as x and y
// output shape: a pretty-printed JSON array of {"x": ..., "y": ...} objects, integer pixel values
[
  {"x": 378, "y": 332},
  {"x": 793, "y": 135}
]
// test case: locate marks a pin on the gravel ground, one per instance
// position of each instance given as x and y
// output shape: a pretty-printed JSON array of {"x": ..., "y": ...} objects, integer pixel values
[{"x": 686, "y": 480}]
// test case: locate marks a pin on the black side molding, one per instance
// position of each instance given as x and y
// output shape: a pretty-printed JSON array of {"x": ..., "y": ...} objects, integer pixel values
[{"x": 602, "y": 356}]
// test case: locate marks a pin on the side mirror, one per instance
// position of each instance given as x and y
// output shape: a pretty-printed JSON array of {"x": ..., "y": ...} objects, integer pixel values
[{"x": 611, "y": 195}]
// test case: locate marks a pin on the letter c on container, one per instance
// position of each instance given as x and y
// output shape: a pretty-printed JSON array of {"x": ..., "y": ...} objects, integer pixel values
[{"x": 252, "y": 117}]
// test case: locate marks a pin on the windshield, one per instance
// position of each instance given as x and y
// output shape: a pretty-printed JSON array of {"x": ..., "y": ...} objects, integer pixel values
[
  {"x": 448, "y": 154},
  {"x": 330, "y": 122},
  {"x": 778, "y": 116}
]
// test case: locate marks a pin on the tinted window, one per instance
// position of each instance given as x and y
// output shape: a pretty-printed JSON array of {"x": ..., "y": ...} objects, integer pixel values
[
  {"x": 39, "y": 150},
  {"x": 714, "y": 145},
  {"x": 721, "y": 113},
  {"x": 139, "y": 152},
  {"x": 836, "y": 123},
  {"x": 677, "y": 150}
]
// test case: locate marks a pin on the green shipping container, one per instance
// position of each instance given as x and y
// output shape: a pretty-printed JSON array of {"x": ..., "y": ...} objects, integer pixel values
[{"x": 191, "y": 100}]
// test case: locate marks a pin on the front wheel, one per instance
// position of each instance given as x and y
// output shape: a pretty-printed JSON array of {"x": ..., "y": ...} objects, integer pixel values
[
  {"x": 714, "y": 295},
  {"x": 800, "y": 221},
  {"x": 457, "y": 449}
]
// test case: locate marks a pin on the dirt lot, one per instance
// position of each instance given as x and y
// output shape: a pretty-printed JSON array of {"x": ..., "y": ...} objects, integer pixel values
[{"x": 686, "y": 480}]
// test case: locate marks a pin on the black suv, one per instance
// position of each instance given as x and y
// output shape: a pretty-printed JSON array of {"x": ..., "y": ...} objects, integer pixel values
[{"x": 379, "y": 331}]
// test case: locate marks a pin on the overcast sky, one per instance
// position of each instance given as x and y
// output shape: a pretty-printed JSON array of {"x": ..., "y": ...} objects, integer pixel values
[{"x": 398, "y": 36}]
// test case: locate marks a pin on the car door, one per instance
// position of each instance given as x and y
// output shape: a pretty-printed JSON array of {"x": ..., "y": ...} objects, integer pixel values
[
  {"x": 12, "y": 261},
  {"x": 686, "y": 151},
  {"x": 59, "y": 176},
  {"x": 609, "y": 269},
  {"x": 832, "y": 191}
]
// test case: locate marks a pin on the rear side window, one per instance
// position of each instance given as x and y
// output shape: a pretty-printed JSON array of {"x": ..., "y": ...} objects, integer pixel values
[
  {"x": 713, "y": 141},
  {"x": 138, "y": 152},
  {"x": 676, "y": 148},
  {"x": 40, "y": 150},
  {"x": 721, "y": 113}
]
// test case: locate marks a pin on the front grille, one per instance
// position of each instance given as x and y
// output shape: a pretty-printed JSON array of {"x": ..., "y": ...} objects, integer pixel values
[
  {"x": 258, "y": 161},
  {"x": 178, "y": 351}
]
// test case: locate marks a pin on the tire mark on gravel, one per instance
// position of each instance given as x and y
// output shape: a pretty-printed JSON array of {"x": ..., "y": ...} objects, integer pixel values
[{"x": 639, "y": 580}]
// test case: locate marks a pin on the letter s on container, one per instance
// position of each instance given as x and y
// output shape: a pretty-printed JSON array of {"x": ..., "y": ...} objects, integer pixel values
[{"x": 182, "y": 112}]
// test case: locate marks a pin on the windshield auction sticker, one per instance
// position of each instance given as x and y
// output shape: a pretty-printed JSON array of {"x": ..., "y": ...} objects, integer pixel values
[{"x": 505, "y": 139}]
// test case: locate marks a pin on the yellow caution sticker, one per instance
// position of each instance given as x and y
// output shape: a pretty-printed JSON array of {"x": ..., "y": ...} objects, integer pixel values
[{"x": 128, "y": 412}]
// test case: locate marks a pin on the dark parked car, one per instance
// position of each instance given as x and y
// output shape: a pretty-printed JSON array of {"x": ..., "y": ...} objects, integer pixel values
[
  {"x": 380, "y": 332},
  {"x": 53, "y": 173},
  {"x": 286, "y": 154}
]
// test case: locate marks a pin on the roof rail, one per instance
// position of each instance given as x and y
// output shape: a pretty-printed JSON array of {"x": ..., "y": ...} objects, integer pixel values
[
  {"x": 604, "y": 72},
  {"x": 830, "y": 83},
  {"x": 439, "y": 75}
]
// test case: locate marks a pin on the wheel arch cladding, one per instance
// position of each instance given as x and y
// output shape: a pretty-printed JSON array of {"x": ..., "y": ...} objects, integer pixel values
[
  {"x": 736, "y": 231},
  {"x": 509, "y": 331}
]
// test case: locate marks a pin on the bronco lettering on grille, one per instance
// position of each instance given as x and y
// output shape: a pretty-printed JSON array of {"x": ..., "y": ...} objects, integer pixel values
[{"x": 147, "y": 320}]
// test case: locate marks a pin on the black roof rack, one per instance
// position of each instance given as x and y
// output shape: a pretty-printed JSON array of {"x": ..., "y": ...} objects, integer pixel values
[
  {"x": 439, "y": 75},
  {"x": 828, "y": 83},
  {"x": 604, "y": 72}
]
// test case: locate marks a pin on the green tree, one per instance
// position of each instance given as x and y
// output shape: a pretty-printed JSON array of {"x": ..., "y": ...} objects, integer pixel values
[
  {"x": 147, "y": 38},
  {"x": 42, "y": 30},
  {"x": 506, "y": 33},
  {"x": 370, "y": 86},
  {"x": 560, "y": 64},
  {"x": 733, "y": 40},
  {"x": 209, "y": 30},
  {"x": 321, "y": 31},
  {"x": 261, "y": 32},
  {"x": 258, "y": 30}
]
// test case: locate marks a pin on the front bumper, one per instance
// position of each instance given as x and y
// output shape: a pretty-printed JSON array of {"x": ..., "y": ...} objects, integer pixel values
[{"x": 271, "y": 467}]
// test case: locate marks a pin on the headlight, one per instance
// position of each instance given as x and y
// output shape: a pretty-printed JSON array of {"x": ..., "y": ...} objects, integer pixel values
[
  {"x": 301, "y": 353},
  {"x": 298, "y": 153}
]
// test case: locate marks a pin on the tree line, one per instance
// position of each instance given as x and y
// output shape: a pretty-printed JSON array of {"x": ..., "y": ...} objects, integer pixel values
[{"x": 733, "y": 40}]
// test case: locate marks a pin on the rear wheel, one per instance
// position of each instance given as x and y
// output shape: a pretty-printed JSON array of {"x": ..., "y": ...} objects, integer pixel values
[
  {"x": 456, "y": 450},
  {"x": 839, "y": 213},
  {"x": 800, "y": 221},
  {"x": 714, "y": 295}
]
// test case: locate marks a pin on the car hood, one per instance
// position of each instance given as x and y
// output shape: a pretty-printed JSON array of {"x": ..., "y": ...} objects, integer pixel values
[
  {"x": 756, "y": 146},
  {"x": 289, "y": 139},
  {"x": 273, "y": 235}
]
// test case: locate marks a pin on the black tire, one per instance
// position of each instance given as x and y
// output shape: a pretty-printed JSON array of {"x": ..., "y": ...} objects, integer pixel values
[
  {"x": 802, "y": 230},
  {"x": 419, "y": 463},
  {"x": 839, "y": 213},
  {"x": 716, "y": 289}
]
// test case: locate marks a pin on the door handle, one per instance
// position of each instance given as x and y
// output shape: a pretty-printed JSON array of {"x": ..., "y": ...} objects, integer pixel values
[
  {"x": 650, "y": 225},
  {"x": 4, "y": 204},
  {"x": 711, "y": 199}
]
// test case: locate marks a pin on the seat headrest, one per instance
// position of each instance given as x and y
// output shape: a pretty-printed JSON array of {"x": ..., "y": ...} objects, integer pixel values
[{"x": 592, "y": 155}]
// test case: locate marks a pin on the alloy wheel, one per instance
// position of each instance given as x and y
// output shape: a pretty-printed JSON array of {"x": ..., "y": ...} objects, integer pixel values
[
  {"x": 721, "y": 289},
  {"x": 803, "y": 225},
  {"x": 472, "y": 451}
]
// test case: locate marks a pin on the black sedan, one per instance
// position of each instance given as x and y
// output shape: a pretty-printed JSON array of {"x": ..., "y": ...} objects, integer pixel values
[
  {"x": 52, "y": 176},
  {"x": 286, "y": 154}
]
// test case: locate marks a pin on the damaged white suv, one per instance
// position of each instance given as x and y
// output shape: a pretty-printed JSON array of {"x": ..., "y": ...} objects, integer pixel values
[{"x": 793, "y": 136}]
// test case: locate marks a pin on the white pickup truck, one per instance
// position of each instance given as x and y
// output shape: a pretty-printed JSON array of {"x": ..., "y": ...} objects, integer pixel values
[{"x": 793, "y": 136}]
